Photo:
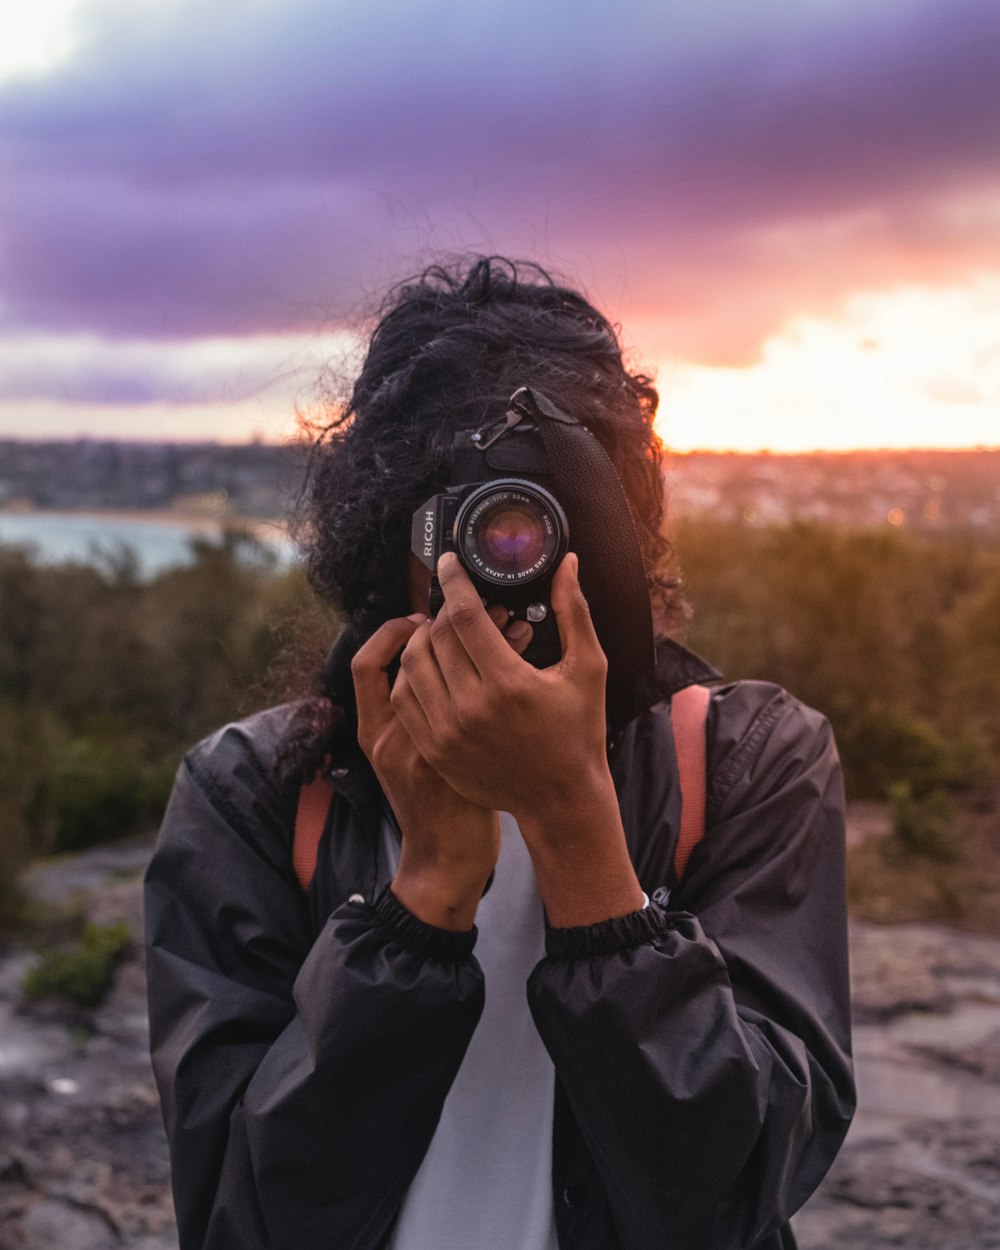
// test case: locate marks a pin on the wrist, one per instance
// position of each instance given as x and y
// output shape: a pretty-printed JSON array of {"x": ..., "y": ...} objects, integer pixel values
[
  {"x": 447, "y": 945},
  {"x": 445, "y": 896},
  {"x": 581, "y": 860},
  {"x": 571, "y": 797}
]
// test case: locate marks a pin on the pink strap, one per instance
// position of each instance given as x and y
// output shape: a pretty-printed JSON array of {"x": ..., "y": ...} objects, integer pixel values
[
  {"x": 689, "y": 710},
  {"x": 315, "y": 798}
]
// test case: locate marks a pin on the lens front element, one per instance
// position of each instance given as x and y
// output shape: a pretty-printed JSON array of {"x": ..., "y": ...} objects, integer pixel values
[{"x": 510, "y": 531}]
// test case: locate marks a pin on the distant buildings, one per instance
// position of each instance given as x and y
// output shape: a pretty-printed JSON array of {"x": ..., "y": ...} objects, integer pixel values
[
  {"x": 253, "y": 480},
  {"x": 921, "y": 490}
]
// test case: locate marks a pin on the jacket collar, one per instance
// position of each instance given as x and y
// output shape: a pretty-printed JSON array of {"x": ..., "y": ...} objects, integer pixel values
[{"x": 676, "y": 667}]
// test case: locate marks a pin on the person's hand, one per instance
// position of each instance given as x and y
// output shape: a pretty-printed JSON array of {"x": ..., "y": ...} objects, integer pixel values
[
  {"x": 504, "y": 734},
  {"x": 529, "y": 741},
  {"x": 450, "y": 845}
]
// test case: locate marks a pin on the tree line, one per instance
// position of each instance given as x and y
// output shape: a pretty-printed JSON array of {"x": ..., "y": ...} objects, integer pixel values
[{"x": 106, "y": 678}]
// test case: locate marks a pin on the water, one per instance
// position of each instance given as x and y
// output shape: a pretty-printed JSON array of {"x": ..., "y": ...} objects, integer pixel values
[{"x": 158, "y": 543}]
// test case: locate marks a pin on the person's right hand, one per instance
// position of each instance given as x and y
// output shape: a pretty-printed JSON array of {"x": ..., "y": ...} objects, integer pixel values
[{"x": 450, "y": 846}]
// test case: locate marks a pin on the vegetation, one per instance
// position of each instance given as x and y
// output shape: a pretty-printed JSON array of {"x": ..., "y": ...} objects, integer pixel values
[
  {"x": 894, "y": 636},
  {"x": 81, "y": 972},
  {"x": 106, "y": 679}
]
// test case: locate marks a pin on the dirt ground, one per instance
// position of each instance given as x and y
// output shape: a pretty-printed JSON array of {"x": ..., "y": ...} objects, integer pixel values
[{"x": 83, "y": 1159}]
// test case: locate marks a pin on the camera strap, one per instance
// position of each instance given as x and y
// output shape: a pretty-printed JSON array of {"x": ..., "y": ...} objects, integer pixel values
[{"x": 602, "y": 528}]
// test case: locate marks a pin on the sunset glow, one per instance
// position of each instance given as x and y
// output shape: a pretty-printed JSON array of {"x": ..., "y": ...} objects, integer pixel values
[
  {"x": 914, "y": 367},
  {"x": 793, "y": 210}
]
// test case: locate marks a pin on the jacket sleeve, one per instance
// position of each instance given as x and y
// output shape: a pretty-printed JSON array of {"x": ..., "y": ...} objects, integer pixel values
[
  {"x": 300, "y": 1081},
  {"x": 706, "y": 1051}
]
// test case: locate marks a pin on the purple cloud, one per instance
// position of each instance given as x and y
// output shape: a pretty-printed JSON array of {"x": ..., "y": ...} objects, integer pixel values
[{"x": 201, "y": 171}]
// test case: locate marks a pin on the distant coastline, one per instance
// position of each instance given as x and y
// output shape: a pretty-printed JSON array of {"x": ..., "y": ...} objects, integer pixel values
[
  {"x": 160, "y": 538},
  {"x": 187, "y": 519}
]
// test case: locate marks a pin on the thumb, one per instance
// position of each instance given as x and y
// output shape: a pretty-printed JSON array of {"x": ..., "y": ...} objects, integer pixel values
[{"x": 576, "y": 628}]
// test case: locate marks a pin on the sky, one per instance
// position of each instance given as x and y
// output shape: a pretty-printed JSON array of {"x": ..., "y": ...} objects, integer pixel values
[{"x": 791, "y": 207}]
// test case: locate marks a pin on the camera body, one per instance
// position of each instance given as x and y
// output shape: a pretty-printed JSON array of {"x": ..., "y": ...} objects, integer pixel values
[
  {"x": 505, "y": 524},
  {"x": 511, "y": 487}
]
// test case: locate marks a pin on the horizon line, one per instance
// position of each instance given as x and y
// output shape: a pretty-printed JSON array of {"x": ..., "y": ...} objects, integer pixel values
[{"x": 670, "y": 452}]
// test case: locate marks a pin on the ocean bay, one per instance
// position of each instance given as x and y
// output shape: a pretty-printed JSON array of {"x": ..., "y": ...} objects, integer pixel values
[{"x": 158, "y": 541}]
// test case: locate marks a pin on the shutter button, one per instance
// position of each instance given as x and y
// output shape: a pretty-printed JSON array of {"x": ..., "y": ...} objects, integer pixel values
[
  {"x": 356, "y": 898},
  {"x": 338, "y": 772}
]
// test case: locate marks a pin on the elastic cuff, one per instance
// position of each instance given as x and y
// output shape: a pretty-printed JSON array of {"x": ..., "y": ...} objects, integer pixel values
[
  {"x": 607, "y": 937},
  {"x": 447, "y": 945}
]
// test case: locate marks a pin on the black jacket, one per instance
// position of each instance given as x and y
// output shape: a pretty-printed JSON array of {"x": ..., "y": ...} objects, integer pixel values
[{"x": 303, "y": 1045}]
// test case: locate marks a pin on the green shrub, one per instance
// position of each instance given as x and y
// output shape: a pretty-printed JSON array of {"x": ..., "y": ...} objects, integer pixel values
[
  {"x": 883, "y": 747},
  {"x": 24, "y": 744},
  {"x": 95, "y": 794},
  {"x": 927, "y": 825},
  {"x": 83, "y": 972}
]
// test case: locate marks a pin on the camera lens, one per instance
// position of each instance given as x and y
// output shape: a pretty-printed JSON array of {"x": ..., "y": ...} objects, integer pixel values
[
  {"x": 512, "y": 538},
  {"x": 510, "y": 531}
]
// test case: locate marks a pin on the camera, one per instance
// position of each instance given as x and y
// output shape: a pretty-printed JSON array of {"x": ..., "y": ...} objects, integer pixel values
[
  {"x": 511, "y": 485},
  {"x": 509, "y": 531},
  {"x": 509, "y": 534}
]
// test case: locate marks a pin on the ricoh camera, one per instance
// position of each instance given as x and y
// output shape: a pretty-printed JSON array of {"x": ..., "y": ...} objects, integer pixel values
[
  {"x": 504, "y": 522},
  {"x": 520, "y": 487}
]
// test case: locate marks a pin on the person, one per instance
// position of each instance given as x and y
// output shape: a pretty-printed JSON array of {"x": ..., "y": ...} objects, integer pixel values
[{"x": 497, "y": 1018}]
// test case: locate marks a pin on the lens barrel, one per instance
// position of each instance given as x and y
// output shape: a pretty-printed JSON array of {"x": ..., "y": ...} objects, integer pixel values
[{"x": 510, "y": 532}]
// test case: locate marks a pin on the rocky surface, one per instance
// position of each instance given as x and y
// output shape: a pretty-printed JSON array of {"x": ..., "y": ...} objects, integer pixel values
[
  {"x": 921, "y": 1165},
  {"x": 83, "y": 1158},
  {"x": 83, "y": 1161}
]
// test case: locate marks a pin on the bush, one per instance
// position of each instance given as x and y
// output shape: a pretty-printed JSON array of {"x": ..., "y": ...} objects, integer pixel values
[
  {"x": 24, "y": 748},
  {"x": 883, "y": 747},
  {"x": 83, "y": 972},
  {"x": 95, "y": 794},
  {"x": 927, "y": 825}
]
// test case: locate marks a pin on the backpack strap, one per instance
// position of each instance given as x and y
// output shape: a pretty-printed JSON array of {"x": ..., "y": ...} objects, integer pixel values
[
  {"x": 689, "y": 709},
  {"x": 689, "y": 712}
]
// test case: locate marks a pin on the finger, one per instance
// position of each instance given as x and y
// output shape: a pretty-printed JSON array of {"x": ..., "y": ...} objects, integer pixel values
[
  {"x": 423, "y": 676},
  {"x": 368, "y": 668},
  {"x": 498, "y": 614},
  {"x": 518, "y": 635},
  {"x": 576, "y": 628},
  {"x": 457, "y": 669},
  {"x": 467, "y": 616},
  {"x": 407, "y": 709}
]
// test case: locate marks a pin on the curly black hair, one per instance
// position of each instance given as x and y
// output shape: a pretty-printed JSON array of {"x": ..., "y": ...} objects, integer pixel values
[{"x": 448, "y": 349}]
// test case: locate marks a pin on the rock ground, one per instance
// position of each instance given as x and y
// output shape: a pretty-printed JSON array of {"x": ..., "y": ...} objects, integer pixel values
[{"x": 83, "y": 1160}]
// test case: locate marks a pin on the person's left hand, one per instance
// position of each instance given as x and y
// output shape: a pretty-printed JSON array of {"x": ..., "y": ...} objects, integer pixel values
[{"x": 505, "y": 734}]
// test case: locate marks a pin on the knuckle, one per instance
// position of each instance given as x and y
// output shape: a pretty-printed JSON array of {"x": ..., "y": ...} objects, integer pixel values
[
  {"x": 434, "y": 755},
  {"x": 468, "y": 718},
  {"x": 440, "y": 627},
  {"x": 464, "y": 613}
]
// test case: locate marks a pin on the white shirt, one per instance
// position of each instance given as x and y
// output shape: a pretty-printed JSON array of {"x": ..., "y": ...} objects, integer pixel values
[{"x": 486, "y": 1180}]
